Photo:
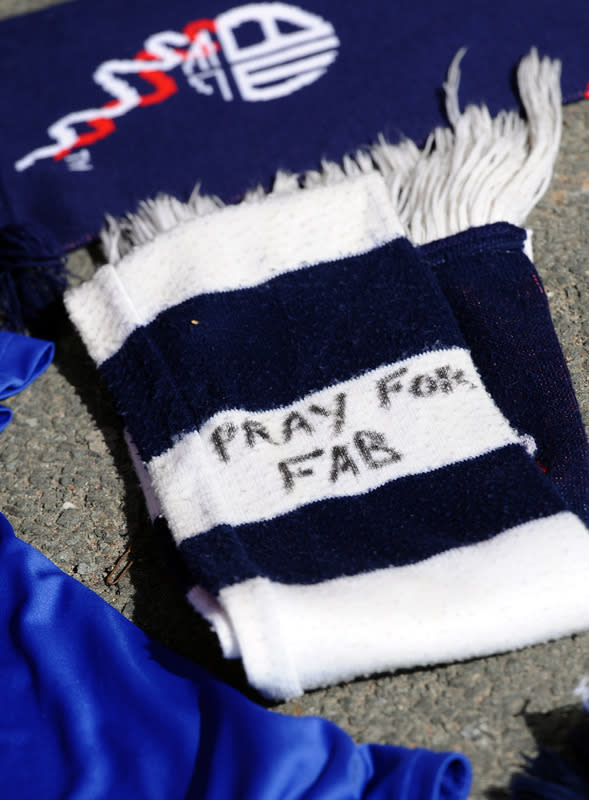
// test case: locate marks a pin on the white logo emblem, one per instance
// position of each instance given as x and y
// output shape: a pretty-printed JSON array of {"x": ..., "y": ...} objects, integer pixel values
[{"x": 257, "y": 52}]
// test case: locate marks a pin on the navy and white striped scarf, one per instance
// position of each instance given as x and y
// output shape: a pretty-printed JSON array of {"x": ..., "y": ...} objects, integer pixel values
[{"x": 310, "y": 427}]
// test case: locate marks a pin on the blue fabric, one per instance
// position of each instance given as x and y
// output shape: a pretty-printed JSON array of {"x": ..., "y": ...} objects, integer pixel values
[
  {"x": 499, "y": 302},
  {"x": 22, "y": 359},
  {"x": 550, "y": 776},
  {"x": 561, "y": 771},
  {"x": 93, "y": 708},
  {"x": 385, "y": 67}
]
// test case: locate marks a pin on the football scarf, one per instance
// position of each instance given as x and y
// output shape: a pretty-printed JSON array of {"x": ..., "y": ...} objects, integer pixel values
[
  {"x": 345, "y": 493},
  {"x": 159, "y": 94}
]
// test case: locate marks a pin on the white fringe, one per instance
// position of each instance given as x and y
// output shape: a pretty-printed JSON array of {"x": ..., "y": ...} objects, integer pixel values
[
  {"x": 482, "y": 169},
  {"x": 153, "y": 216},
  {"x": 479, "y": 170},
  {"x": 164, "y": 212}
]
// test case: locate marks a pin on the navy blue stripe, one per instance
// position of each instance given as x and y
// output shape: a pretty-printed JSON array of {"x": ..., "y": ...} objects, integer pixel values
[
  {"x": 401, "y": 523},
  {"x": 269, "y": 345},
  {"x": 501, "y": 307}
]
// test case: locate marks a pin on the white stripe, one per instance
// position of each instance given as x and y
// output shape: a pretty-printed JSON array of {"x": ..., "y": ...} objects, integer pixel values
[
  {"x": 430, "y": 410},
  {"x": 235, "y": 247},
  {"x": 527, "y": 585}
]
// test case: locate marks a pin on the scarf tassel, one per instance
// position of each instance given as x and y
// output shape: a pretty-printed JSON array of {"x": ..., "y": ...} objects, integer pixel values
[{"x": 480, "y": 170}]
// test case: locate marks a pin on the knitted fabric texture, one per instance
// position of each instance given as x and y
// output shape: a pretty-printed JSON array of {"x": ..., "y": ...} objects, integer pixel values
[
  {"x": 499, "y": 302},
  {"x": 310, "y": 427},
  {"x": 230, "y": 92}
]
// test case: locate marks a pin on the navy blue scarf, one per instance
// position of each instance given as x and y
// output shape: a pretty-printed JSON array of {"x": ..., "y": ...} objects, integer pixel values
[
  {"x": 108, "y": 103},
  {"x": 302, "y": 391}
]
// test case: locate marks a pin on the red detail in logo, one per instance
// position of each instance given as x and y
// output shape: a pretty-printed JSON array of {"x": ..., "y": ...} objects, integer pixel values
[
  {"x": 285, "y": 60},
  {"x": 164, "y": 87},
  {"x": 192, "y": 29},
  {"x": 102, "y": 127}
]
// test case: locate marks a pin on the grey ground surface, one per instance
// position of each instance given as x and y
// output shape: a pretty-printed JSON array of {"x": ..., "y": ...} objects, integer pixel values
[{"x": 69, "y": 489}]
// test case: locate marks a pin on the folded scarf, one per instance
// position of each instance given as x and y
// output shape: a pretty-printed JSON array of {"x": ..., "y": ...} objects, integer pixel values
[{"x": 310, "y": 426}]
